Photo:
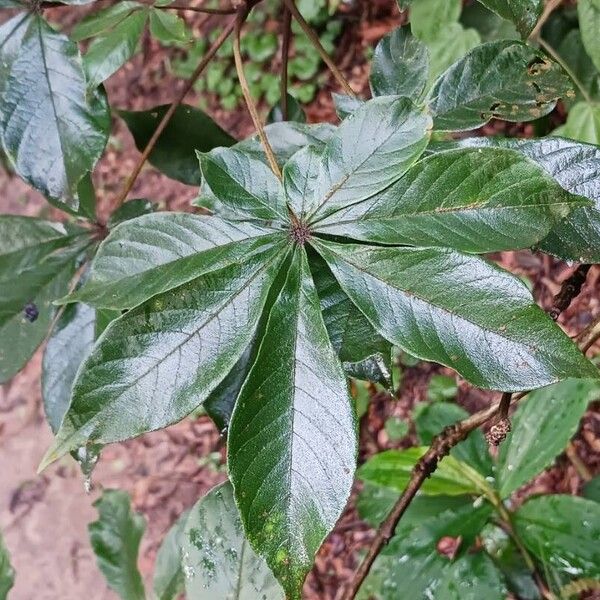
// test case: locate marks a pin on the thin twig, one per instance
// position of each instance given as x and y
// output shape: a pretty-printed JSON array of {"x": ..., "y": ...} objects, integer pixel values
[
  {"x": 550, "y": 7},
  {"x": 237, "y": 55},
  {"x": 570, "y": 289},
  {"x": 314, "y": 39},
  {"x": 201, "y": 9},
  {"x": 169, "y": 114},
  {"x": 579, "y": 465},
  {"x": 285, "y": 55},
  {"x": 440, "y": 447}
]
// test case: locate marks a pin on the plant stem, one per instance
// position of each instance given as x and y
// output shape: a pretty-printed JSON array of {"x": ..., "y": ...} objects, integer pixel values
[
  {"x": 579, "y": 465},
  {"x": 440, "y": 447},
  {"x": 550, "y": 7},
  {"x": 570, "y": 289},
  {"x": 285, "y": 55},
  {"x": 169, "y": 114},
  {"x": 201, "y": 9},
  {"x": 237, "y": 54},
  {"x": 314, "y": 38}
]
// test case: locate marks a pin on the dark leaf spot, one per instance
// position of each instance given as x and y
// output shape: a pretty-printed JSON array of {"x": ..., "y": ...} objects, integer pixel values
[{"x": 31, "y": 312}]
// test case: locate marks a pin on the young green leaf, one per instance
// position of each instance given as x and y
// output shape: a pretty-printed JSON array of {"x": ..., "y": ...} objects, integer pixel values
[
  {"x": 541, "y": 428},
  {"x": 97, "y": 23},
  {"x": 400, "y": 65},
  {"x": 161, "y": 360},
  {"x": 583, "y": 123},
  {"x": 7, "y": 573},
  {"x": 52, "y": 129},
  {"x": 473, "y": 199},
  {"x": 244, "y": 184},
  {"x": 37, "y": 260},
  {"x": 169, "y": 579},
  {"x": 217, "y": 558},
  {"x": 429, "y": 17},
  {"x": 488, "y": 24},
  {"x": 115, "y": 538},
  {"x": 431, "y": 420},
  {"x": 393, "y": 469},
  {"x": 158, "y": 252},
  {"x": 167, "y": 27},
  {"x": 292, "y": 438},
  {"x": 370, "y": 150},
  {"x": 505, "y": 79},
  {"x": 589, "y": 24},
  {"x": 458, "y": 310},
  {"x": 108, "y": 53},
  {"x": 562, "y": 532},
  {"x": 523, "y": 13},
  {"x": 441, "y": 388},
  {"x": 174, "y": 154}
]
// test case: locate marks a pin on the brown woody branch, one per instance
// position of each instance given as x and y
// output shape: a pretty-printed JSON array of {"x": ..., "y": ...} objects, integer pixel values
[
  {"x": 285, "y": 55},
  {"x": 569, "y": 290},
  {"x": 440, "y": 447}
]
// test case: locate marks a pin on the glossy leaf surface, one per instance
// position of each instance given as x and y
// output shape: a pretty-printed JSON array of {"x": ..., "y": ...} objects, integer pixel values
[
  {"x": 115, "y": 538},
  {"x": 393, "y": 469},
  {"x": 292, "y": 437},
  {"x": 300, "y": 175},
  {"x": 475, "y": 200},
  {"x": 157, "y": 252},
  {"x": 504, "y": 79},
  {"x": 523, "y": 13},
  {"x": 52, "y": 130},
  {"x": 218, "y": 559},
  {"x": 174, "y": 154},
  {"x": 169, "y": 579},
  {"x": 36, "y": 265},
  {"x": 400, "y": 65},
  {"x": 155, "y": 364},
  {"x": 562, "y": 532},
  {"x": 370, "y": 150},
  {"x": 542, "y": 426},
  {"x": 457, "y": 310}
]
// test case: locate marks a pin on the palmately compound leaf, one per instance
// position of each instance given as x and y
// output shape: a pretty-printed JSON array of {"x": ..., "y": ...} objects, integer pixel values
[
  {"x": 400, "y": 65},
  {"x": 7, "y": 573},
  {"x": 458, "y": 310},
  {"x": 562, "y": 532},
  {"x": 217, "y": 559},
  {"x": 370, "y": 150},
  {"x": 160, "y": 251},
  {"x": 475, "y": 200},
  {"x": 542, "y": 426},
  {"x": 505, "y": 79},
  {"x": 174, "y": 153},
  {"x": 523, "y": 13},
  {"x": 115, "y": 538},
  {"x": 576, "y": 167},
  {"x": 292, "y": 438},
  {"x": 53, "y": 130},
  {"x": 37, "y": 261},
  {"x": 158, "y": 362}
]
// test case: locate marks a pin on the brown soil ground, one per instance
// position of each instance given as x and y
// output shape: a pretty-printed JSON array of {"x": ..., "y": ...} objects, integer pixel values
[{"x": 44, "y": 518}]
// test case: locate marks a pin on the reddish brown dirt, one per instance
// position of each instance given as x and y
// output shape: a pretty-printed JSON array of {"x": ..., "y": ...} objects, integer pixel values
[{"x": 44, "y": 517}]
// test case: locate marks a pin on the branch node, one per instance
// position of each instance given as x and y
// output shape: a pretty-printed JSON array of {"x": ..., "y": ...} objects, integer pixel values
[{"x": 498, "y": 432}]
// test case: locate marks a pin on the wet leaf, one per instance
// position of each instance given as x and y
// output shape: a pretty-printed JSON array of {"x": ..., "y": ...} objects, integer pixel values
[
  {"x": 218, "y": 561},
  {"x": 115, "y": 538},
  {"x": 169, "y": 582},
  {"x": 504, "y": 79},
  {"x": 458, "y": 310},
  {"x": 292, "y": 438},
  {"x": 46, "y": 110},
  {"x": 562, "y": 532},
  {"x": 542, "y": 426},
  {"x": 174, "y": 154}
]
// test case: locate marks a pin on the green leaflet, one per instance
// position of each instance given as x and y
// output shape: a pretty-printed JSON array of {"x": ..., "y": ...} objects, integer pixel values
[
  {"x": 177, "y": 346},
  {"x": 218, "y": 559},
  {"x": 583, "y": 123},
  {"x": 157, "y": 252},
  {"x": 169, "y": 580},
  {"x": 7, "y": 573},
  {"x": 46, "y": 110},
  {"x": 428, "y": 18},
  {"x": 476, "y": 200},
  {"x": 505, "y": 79},
  {"x": 174, "y": 154},
  {"x": 542, "y": 426},
  {"x": 167, "y": 27},
  {"x": 292, "y": 437},
  {"x": 457, "y": 310},
  {"x": 37, "y": 261},
  {"x": 400, "y": 65},
  {"x": 108, "y": 53},
  {"x": 300, "y": 178},
  {"x": 115, "y": 538},
  {"x": 393, "y": 468},
  {"x": 562, "y": 532},
  {"x": 589, "y": 23},
  {"x": 97, "y": 23},
  {"x": 370, "y": 150},
  {"x": 523, "y": 13}
]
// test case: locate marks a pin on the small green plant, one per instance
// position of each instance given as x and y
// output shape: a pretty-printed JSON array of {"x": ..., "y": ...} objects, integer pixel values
[{"x": 318, "y": 250}]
